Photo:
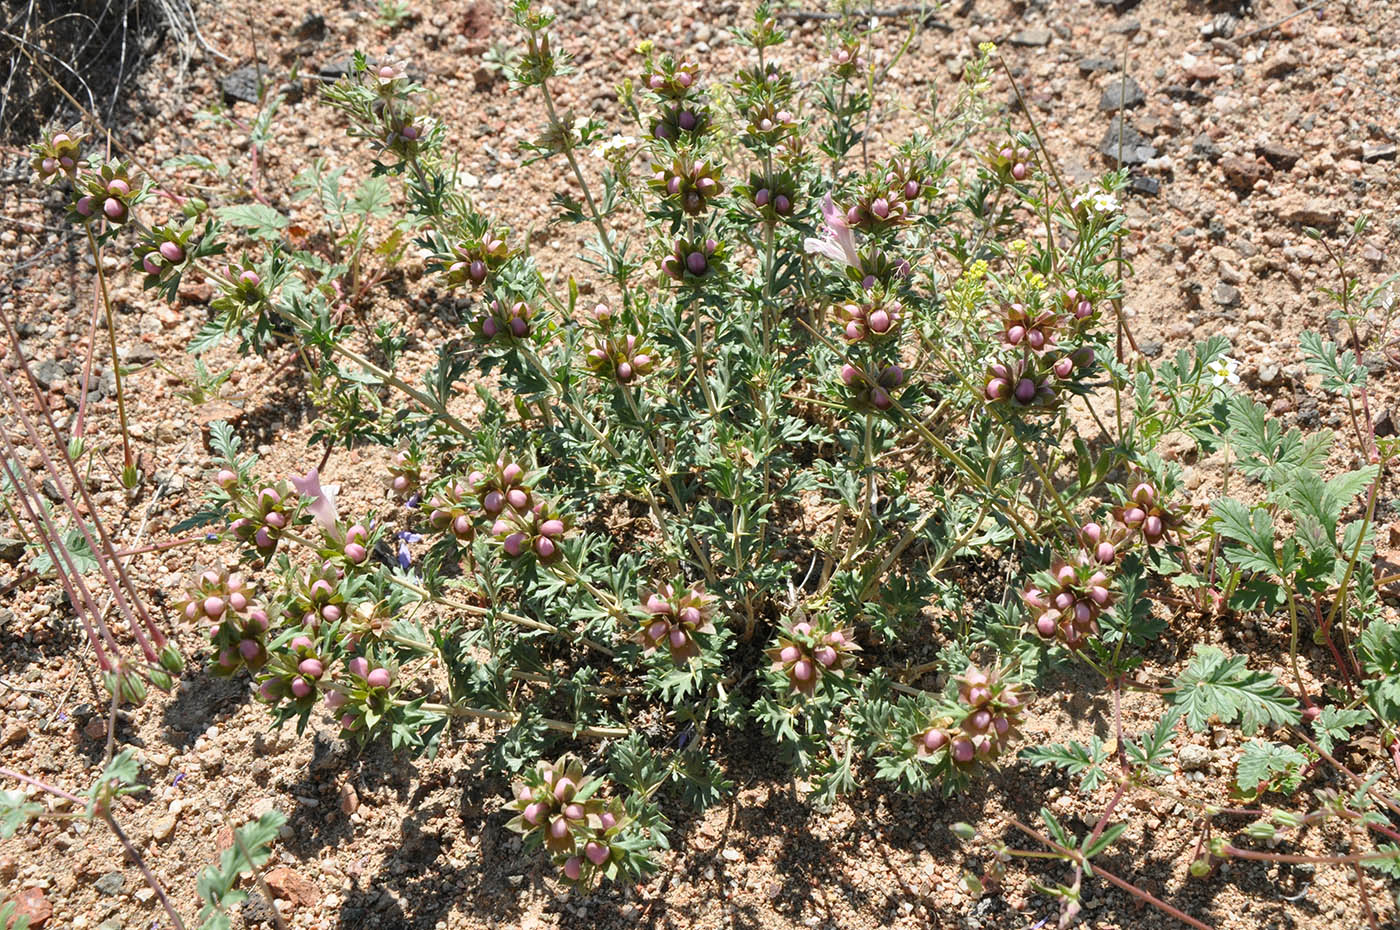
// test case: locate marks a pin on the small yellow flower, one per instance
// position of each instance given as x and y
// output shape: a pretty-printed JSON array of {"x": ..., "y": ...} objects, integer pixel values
[
  {"x": 1019, "y": 247},
  {"x": 987, "y": 48},
  {"x": 976, "y": 271},
  {"x": 1035, "y": 281}
]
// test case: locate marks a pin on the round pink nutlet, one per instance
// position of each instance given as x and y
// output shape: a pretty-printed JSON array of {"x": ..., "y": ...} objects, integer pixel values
[
  {"x": 268, "y": 690},
  {"x": 489, "y": 328},
  {"x": 118, "y": 188},
  {"x": 545, "y": 548},
  {"x": 83, "y": 206},
  {"x": 533, "y": 812},
  {"x": 695, "y": 261},
  {"x": 879, "y": 321},
  {"x": 803, "y": 669},
  {"x": 513, "y": 544},
  {"x": 1105, "y": 552},
  {"x": 657, "y": 630},
  {"x": 356, "y": 553},
  {"x": 336, "y": 699},
  {"x": 213, "y": 607},
  {"x": 151, "y": 263},
  {"x": 171, "y": 251},
  {"x": 826, "y": 656},
  {"x": 1018, "y": 171},
  {"x": 301, "y": 642},
  {"x": 573, "y": 868},
  {"x": 311, "y": 668},
  {"x": 1045, "y": 626},
  {"x": 462, "y": 525},
  {"x": 1133, "y": 516},
  {"x": 348, "y": 721},
  {"x": 608, "y": 819},
  {"x": 790, "y": 654},
  {"x": 114, "y": 208},
  {"x": 300, "y": 687},
  {"x": 379, "y": 678},
  {"x": 935, "y": 740},
  {"x": 849, "y": 374},
  {"x": 552, "y": 528},
  {"x": 574, "y": 811},
  {"x": 596, "y": 852},
  {"x": 359, "y": 666},
  {"x": 678, "y": 638},
  {"x": 249, "y": 649},
  {"x": 330, "y": 613},
  {"x": 782, "y": 204},
  {"x": 564, "y": 789},
  {"x": 963, "y": 750},
  {"x": 518, "y": 498}
]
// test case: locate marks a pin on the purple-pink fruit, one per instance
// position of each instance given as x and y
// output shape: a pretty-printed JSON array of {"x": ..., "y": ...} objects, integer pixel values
[
  {"x": 249, "y": 278},
  {"x": 695, "y": 261},
  {"x": 607, "y": 819},
  {"x": 963, "y": 750},
  {"x": 564, "y": 789},
  {"x": 545, "y": 548},
  {"x": 151, "y": 263},
  {"x": 268, "y": 690},
  {"x": 686, "y": 120},
  {"x": 1025, "y": 390},
  {"x": 300, "y": 642},
  {"x": 879, "y": 321},
  {"x": 1063, "y": 367},
  {"x": 118, "y": 188},
  {"x": 849, "y": 373},
  {"x": 552, "y": 528},
  {"x": 678, "y": 638},
  {"x": 226, "y": 478},
  {"x": 83, "y": 207},
  {"x": 172, "y": 252},
  {"x": 275, "y": 520},
  {"x": 359, "y": 666},
  {"x": 790, "y": 654},
  {"x": 979, "y": 721},
  {"x": 348, "y": 721},
  {"x": 657, "y": 630},
  {"x": 1152, "y": 527},
  {"x": 782, "y": 204},
  {"x": 356, "y": 553},
  {"x": 1133, "y": 516},
  {"x": 300, "y": 687},
  {"x": 761, "y": 197},
  {"x": 1018, "y": 171},
  {"x": 911, "y": 190},
  {"x": 935, "y": 740},
  {"x": 1001, "y": 726},
  {"x": 573, "y": 868},
  {"x": 379, "y": 678},
  {"x": 513, "y": 544},
  {"x": 462, "y": 525},
  {"x": 213, "y": 607},
  {"x": 1105, "y": 552},
  {"x": 998, "y": 389},
  {"x": 512, "y": 473},
  {"x": 596, "y": 852},
  {"x": 803, "y": 670},
  {"x": 518, "y": 498},
  {"x": 311, "y": 668},
  {"x": 330, "y": 613},
  {"x": 336, "y": 699},
  {"x": 249, "y": 649},
  {"x": 826, "y": 656},
  {"x": 1045, "y": 626},
  {"x": 533, "y": 812},
  {"x": 114, "y": 208}
]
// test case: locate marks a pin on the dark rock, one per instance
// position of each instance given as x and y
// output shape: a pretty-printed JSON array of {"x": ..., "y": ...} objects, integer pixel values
[
  {"x": 1136, "y": 149},
  {"x": 1150, "y": 347},
  {"x": 1089, "y": 66},
  {"x": 1225, "y": 295},
  {"x": 1121, "y": 92},
  {"x": 1280, "y": 156},
  {"x": 1182, "y": 92},
  {"x": 338, "y": 68},
  {"x": 1385, "y": 424},
  {"x": 1243, "y": 173},
  {"x": 1128, "y": 26},
  {"x": 47, "y": 372},
  {"x": 1307, "y": 411},
  {"x": 1033, "y": 38},
  {"x": 1141, "y": 184},
  {"x": 242, "y": 84},
  {"x": 1223, "y": 25},
  {"x": 112, "y": 883},
  {"x": 1203, "y": 146},
  {"x": 312, "y": 27},
  {"x": 1119, "y": 6}
]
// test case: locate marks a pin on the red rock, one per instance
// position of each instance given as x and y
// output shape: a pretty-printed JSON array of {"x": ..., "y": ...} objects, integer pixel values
[
  {"x": 1243, "y": 172},
  {"x": 292, "y": 887},
  {"x": 32, "y": 904}
]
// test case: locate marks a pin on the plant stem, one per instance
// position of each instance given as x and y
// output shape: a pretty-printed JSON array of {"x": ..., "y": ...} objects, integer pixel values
[{"x": 128, "y": 461}]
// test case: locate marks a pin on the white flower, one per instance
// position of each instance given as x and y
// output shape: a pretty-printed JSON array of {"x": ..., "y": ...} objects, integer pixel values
[
  {"x": 1222, "y": 371},
  {"x": 1098, "y": 201},
  {"x": 610, "y": 148}
]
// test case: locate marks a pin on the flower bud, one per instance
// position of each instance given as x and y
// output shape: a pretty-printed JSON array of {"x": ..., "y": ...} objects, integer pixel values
[
  {"x": 300, "y": 687},
  {"x": 379, "y": 678},
  {"x": 573, "y": 868},
  {"x": 359, "y": 666}
]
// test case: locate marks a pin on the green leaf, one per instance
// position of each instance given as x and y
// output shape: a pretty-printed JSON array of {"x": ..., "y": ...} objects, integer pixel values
[
  {"x": 1269, "y": 765},
  {"x": 1074, "y": 758},
  {"x": 1105, "y": 840},
  {"x": 1219, "y": 687},
  {"x": 1334, "y": 725},
  {"x": 261, "y": 221},
  {"x": 16, "y": 810}
]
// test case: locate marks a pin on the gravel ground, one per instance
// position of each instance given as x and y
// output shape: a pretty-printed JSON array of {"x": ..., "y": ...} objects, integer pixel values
[{"x": 1239, "y": 136}]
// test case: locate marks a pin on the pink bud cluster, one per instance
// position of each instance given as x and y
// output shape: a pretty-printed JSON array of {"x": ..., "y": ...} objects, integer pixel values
[
  {"x": 355, "y": 544},
  {"x": 871, "y": 321},
  {"x": 1144, "y": 513},
  {"x": 622, "y": 358},
  {"x": 108, "y": 193},
  {"x": 57, "y": 156},
  {"x": 1013, "y": 164},
  {"x": 505, "y": 320},
  {"x": 265, "y": 516},
  {"x": 772, "y": 197},
  {"x": 674, "y": 80},
  {"x": 692, "y": 261},
  {"x": 161, "y": 256},
  {"x": 539, "y": 530},
  {"x": 452, "y": 513},
  {"x": 368, "y": 687},
  {"x": 1027, "y": 328},
  {"x": 674, "y": 615},
  {"x": 846, "y": 61},
  {"x": 866, "y": 395},
  {"x": 405, "y": 474},
  {"x": 294, "y": 674},
  {"x": 680, "y": 117},
  {"x": 238, "y": 626},
  {"x": 804, "y": 654},
  {"x": 1065, "y": 602},
  {"x": 770, "y": 121},
  {"x": 560, "y": 805},
  {"x": 473, "y": 261},
  {"x": 692, "y": 184},
  {"x": 984, "y": 725},
  {"x": 318, "y": 596}
]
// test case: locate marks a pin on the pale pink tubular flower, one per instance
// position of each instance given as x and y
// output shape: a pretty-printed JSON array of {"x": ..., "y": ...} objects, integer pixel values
[
  {"x": 322, "y": 504},
  {"x": 838, "y": 241}
]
